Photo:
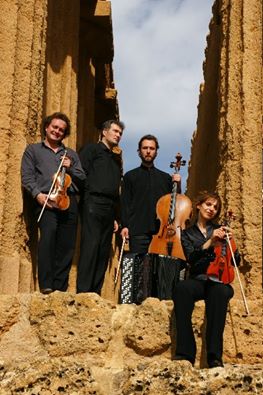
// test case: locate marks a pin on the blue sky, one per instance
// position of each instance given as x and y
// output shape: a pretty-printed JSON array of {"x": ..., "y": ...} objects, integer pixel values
[{"x": 159, "y": 52}]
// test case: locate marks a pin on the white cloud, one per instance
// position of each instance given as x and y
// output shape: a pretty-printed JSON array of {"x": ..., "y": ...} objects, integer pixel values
[{"x": 159, "y": 50}]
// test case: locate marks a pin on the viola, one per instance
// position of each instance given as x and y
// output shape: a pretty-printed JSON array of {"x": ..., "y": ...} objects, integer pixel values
[
  {"x": 59, "y": 197},
  {"x": 173, "y": 210},
  {"x": 221, "y": 268}
]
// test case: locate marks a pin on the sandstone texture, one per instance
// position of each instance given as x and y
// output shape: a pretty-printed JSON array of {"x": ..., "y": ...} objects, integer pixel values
[
  {"x": 83, "y": 344},
  {"x": 56, "y": 55},
  {"x": 227, "y": 144}
]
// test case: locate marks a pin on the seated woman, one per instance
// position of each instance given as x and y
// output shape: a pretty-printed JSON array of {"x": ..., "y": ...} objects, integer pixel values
[{"x": 198, "y": 243}]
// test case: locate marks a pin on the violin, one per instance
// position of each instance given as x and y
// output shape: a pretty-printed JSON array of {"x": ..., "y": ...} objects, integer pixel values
[
  {"x": 173, "y": 210},
  {"x": 59, "y": 197},
  {"x": 57, "y": 194},
  {"x": 221, "y": 268}
]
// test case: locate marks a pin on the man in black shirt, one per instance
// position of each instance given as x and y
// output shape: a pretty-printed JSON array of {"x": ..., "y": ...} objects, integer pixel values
[
  {"x": 98, "y": 206},
  {"x": 142, "y": 187},
  {"x": 57, "y": 227}
]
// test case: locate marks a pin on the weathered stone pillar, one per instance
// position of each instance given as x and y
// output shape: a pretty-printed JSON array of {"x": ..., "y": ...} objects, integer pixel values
[
  {"x": 62, "y": 54},
  {"x": 56, "y": 55},
  {"x": 227, "y": 146},
  {"x": 22, "y": 47}
]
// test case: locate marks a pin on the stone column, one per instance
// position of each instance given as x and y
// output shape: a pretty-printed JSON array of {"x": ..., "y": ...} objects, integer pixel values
[
  {"x": 22, "y": 45},
  {"x": 227, "y": 146}
]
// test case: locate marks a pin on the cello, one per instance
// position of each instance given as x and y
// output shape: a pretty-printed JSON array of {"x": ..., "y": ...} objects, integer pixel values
[{"x": 173, "y": 210}]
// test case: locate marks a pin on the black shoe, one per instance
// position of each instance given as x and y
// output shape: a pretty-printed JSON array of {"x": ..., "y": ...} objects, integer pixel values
[
  {"x": 215, "y": 363},
  {"x": 180, "y": 357},
  {"x": 46, "y": 291}
]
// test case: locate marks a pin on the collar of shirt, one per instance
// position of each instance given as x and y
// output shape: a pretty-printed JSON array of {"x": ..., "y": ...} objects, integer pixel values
[
  {"x": 210, "y": 226},
  {"x": 147, "y": 167},
  {"x": 103, "y": 146},
  {"x": 60, "y": 148}
]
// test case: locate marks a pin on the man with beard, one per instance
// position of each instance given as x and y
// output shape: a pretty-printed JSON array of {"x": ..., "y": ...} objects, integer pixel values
[{"x": 142, "y": 187}]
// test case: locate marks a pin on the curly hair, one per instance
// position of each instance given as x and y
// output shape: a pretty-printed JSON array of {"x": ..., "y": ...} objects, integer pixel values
[{"x": 56, "y": 115}]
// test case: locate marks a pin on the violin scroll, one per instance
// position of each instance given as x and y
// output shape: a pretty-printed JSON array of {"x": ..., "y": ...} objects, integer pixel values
[{"x": 229, "y": 217}]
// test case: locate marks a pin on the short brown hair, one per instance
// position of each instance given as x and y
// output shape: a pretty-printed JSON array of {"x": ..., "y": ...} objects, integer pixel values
[
  {"x": 148, "y": 137},
  {"x": 107, "y": 125}
]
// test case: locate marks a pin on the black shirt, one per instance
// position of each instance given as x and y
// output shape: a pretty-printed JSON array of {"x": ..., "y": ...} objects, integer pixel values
[
  {"x": 142, "y": 187},
  {"x": 192, "y": 240},
  {"x": 103, "y": 170},
  {"x": 40, "y": 163}
]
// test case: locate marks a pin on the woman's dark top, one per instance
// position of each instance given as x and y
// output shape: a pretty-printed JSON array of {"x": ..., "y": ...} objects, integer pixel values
[{"x": 199, "y": 259}]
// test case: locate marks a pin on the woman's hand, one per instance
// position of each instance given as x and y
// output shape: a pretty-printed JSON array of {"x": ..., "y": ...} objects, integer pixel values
[{"x": 218, "y": 234}]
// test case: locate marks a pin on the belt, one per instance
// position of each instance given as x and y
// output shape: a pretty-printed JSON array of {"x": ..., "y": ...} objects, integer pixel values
[{"x": 102, "y": 195}]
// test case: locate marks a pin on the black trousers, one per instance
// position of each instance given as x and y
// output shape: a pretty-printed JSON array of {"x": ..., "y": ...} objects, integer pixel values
[
  {"x": 216, "y": 297},
  {"x": 97, "y": 222},
  {"x": 139, "y": 244},
  {"x": 56, "y": 246}
]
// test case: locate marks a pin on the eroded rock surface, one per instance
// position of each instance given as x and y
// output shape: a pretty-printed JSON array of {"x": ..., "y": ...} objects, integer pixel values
[{"x": 83, "y": 344}]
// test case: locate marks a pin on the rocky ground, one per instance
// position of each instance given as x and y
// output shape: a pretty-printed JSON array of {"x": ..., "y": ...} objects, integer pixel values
[{"x": 83, "y": 344}]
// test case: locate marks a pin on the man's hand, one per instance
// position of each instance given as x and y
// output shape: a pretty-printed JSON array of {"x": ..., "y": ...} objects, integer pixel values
[
  {"x": 66, "y": 162},
  {"x": 41, "y": 199},
  {"x": 125, "y": 233},
  {"x": 176, "y": 178},
  {"x": 115, "y": 226}
]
